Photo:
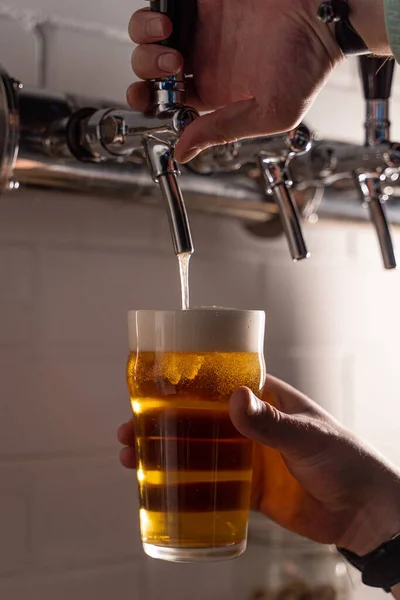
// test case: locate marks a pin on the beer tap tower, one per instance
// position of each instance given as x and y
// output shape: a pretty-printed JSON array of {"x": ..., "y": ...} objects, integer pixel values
[{"x": 59, "y": 141}]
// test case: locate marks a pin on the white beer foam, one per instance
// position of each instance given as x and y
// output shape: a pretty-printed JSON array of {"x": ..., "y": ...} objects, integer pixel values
[{"x": 204, "y": 329}]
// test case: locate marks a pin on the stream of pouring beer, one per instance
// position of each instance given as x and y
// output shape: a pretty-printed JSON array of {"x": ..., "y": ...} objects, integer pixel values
[{"x": 183, "y": 260}]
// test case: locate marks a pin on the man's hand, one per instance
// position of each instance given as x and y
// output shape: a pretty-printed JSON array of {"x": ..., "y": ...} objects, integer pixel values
[
  {"x": 311, "y": 475},
  {"x": 258, "y": 64}
]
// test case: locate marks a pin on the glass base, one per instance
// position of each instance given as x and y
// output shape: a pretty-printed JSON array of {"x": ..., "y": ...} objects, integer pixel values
[{"x": 184, "y": 555}]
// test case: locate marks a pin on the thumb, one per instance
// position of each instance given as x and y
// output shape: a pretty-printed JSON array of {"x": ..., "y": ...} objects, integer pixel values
[
  {"x": 236, "y": 121},
  {"x": 294, "y": 436}
]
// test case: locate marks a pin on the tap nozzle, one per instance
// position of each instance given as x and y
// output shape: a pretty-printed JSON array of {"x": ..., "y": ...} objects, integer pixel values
[
  {"x": 273, "y": 161},
  {"x": 278, "y": 183},
  {"x": 121, "y": 135},
  {"x": 369, "y": 187},
  {"x": 165, "y": 172}
]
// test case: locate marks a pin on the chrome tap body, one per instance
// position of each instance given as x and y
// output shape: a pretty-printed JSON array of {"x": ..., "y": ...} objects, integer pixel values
[{"x": 273, "y": 156}]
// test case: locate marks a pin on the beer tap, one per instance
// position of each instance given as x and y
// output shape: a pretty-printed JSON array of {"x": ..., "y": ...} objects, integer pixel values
[
  {"x": 272, "y": 155},
  {"x": 122, "y": 135},
  {"x": 275, "y": 170},
  {"x": 376, "y": 74}
]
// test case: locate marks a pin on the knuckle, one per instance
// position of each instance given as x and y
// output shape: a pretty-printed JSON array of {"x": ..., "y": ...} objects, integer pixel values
[{"x": 268, "y": 420}]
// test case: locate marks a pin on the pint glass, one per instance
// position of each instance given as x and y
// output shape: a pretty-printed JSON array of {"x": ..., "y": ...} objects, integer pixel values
[{"x": 194, "y": 468}]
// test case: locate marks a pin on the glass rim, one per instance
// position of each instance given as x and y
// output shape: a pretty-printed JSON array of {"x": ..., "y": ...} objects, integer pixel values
[
  {"x": 210, "y": 329},
  {"x": 200, "y": 309}
]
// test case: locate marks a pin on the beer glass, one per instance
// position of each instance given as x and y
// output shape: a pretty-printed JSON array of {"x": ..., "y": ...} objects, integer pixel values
[{"x": 194, "y": 468}]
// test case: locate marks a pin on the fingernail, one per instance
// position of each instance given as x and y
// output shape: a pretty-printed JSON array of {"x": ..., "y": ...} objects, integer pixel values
[
  {"x": 155, "y": 28},
  {"x": 168, "y": 62}
]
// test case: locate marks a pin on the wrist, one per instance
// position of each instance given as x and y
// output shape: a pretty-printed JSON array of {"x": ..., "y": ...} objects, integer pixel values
[
  {"x": 374, "y": 524},
  {"x": 368, "y": 19}
]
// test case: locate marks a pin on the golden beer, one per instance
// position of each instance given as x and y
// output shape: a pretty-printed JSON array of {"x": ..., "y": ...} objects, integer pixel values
[{"x": 194, "y": 468}]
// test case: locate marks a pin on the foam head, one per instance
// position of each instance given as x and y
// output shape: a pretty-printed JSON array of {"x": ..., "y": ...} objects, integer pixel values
[{"x": 208, "y": 329}]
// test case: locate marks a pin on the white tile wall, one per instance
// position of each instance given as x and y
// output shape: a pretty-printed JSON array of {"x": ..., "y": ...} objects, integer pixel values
[
  {"x": 53, "y": 388},
  {"x": 110, "y": 15},
  {"x": 81, "y": 52},
  {"x": 70, "y": 267},
  {"x": 194, "y": 582},
  {"x": 101, "y": 583},
  {"x": 18, "y": 292},
  {"x": 98, "y": 533},
  {"x": 19, "y": 41}
]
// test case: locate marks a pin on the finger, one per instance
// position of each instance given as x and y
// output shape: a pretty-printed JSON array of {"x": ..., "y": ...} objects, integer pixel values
[
  {"x": 239, "y": 120},
  {"x": 126, "y": 434},
  {"x": 152, "y": 61},
  {"x": 235, "y": 121},
  {"x": 127, "y": 458},
  {"x": 146, "y": 27},
  {"x": 138, "y": 96},
  {"x": 296, "y": 437}
]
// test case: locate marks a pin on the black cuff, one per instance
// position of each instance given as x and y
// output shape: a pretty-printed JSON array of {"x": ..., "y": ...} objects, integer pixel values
[{"x": 381, "y": 567}]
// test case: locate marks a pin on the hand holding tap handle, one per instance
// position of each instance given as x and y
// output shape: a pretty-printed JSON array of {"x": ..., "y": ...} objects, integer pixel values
[
  {"x": 168, "y": 99},
  {"x": 168, "y": 93},
  {"x": 241, "y": 98},
  {"x": 120, "y": 134}
]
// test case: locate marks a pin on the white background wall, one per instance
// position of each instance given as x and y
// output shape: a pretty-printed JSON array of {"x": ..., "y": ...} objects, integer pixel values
[{"x": 70, "y": 267}]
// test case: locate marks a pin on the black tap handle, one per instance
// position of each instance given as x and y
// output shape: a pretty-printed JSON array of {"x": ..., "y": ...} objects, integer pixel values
[
  {"x": 376, "y": 74},
  {"x": 183, "y": 14}
]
